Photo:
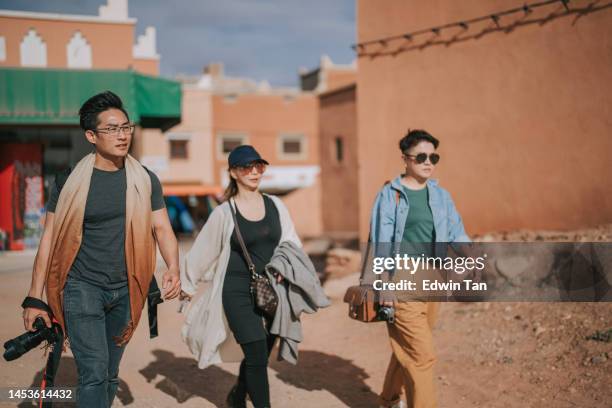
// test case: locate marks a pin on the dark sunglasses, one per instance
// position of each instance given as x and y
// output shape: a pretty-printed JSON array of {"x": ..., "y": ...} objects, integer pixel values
[
  {"x": 421, "y": 157},
  {"x": 261, "y": 168}
]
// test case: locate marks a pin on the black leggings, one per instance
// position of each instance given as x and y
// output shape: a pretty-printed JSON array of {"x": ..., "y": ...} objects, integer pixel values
[{"x": 253, "y": 377}]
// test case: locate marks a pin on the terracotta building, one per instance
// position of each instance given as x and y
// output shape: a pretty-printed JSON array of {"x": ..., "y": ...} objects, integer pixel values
[
  {"x": 520, "y": 102},
  {"x": 334, "y": 85},
  {"x": 182, "y": 156},
  {"x": 49, "y": 65},
  {"x": 105, "y": 41},
  {"x": 339, "y": 166},
  {"x": 328, "y": 76}
]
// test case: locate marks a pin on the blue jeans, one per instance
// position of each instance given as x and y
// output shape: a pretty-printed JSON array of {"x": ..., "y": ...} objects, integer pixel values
[{"x": 94, "y": 316}]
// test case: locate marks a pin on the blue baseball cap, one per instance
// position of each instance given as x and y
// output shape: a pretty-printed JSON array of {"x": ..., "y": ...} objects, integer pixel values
[{"x": 244, "y": 155}]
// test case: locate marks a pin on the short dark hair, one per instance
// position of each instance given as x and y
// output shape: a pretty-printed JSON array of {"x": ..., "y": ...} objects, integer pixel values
[
  {"x": 88, "y": 114},
  {"x": 413, "y": 137}
]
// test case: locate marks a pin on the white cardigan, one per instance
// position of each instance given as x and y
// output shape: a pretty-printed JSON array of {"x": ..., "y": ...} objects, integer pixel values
[{"x": 205, "y": 329}]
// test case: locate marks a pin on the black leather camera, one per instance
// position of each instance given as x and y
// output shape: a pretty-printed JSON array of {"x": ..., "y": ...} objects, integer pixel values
[
  {"x": 20, "y": 345},
  {"x": 386, "y": 314}
]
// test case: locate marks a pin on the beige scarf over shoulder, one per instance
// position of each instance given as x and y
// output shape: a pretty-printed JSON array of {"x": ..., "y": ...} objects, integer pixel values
[{"x": 68, "y": 232}]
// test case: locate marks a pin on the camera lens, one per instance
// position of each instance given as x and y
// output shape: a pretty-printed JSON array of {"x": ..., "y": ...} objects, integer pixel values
[
  {"x": 13, "y": 350},
  {"x": 20, "y": 345}
]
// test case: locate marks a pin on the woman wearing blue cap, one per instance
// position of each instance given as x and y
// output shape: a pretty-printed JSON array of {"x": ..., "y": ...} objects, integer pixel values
[{"x": 227, "y": 305}]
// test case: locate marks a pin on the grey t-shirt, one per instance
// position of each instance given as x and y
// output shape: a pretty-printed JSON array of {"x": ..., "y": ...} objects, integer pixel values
[{"x": 101, "y": 257}]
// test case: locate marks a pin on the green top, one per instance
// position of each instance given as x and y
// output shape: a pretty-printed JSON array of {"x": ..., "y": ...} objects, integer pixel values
[{"x": 419, "y": 223}]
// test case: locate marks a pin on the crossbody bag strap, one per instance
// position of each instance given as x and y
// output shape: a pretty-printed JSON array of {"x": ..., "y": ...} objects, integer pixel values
[
  {"x": 364, "y": 264},
  {"x": 245, "y": 252}
]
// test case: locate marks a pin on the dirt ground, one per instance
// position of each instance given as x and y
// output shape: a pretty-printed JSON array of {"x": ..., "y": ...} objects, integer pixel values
[{"x": 489, "y": 355}]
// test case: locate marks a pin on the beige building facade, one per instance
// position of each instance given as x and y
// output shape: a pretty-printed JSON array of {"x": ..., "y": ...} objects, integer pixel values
[{"x": 182, "y": 156}]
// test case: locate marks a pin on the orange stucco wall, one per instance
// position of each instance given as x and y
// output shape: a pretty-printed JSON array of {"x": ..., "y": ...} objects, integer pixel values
[
  {"x": 337, "y": 119},
  {"x": 146, "y": 66},
  {"x": 263, "y": 118},
  {"x": 111, "y": 43},
  {"x": 305, "y": 208},
  {"x": 196, "y": 121},
  {"x": 338, "y": 78},
  {"x": 196, "y": 127},
  {"x": 523, "y": 115}
]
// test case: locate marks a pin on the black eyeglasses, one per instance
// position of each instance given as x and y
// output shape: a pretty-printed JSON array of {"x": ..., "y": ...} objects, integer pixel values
[
  {"x": 422, "y": 157},
  {"x": 115, "y": 130}
]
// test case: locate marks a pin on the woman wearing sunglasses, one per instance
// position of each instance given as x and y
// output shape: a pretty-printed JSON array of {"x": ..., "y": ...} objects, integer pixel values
[
  {"x": 414, "y": 211},
  {"x": 228, "y": 305}
]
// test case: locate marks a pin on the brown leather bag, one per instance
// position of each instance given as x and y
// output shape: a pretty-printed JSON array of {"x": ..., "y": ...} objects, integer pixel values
[
  {"x": 363, "y": 303},
  {"x": 263, "y": 293},
  {"x": 362, "y": 299}
]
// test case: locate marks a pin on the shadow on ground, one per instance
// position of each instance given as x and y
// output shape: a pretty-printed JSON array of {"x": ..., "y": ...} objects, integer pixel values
[
  {"x": 320, "y": 371},
  {"x": 67, "y": 377},
  {"x": 182, "y": 379}
]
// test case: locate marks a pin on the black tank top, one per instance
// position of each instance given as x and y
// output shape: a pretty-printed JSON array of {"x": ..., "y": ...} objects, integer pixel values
[{"x": 261, "y": 239}]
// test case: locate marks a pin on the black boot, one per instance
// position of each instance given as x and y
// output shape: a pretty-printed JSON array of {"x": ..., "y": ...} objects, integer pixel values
[{"x": 234, "y": 399}]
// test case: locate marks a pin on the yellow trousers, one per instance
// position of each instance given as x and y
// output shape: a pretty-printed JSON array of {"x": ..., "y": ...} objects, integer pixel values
[{"x": 413, "y": 357}]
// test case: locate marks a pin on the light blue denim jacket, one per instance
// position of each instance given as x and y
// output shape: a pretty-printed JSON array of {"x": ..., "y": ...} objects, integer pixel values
[{"x": 388, "y": 218}]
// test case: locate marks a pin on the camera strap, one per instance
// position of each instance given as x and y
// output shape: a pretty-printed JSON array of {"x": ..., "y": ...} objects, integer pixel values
[
  {"x": 154, "y": 298},
  {"x": 53, "y": 361},
  {"x": 55, "y": 354},
  {"x": 36, "y": 304}
]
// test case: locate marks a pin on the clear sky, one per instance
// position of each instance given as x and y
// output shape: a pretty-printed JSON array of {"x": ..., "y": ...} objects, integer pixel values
[{"x": 259, "y": 39}]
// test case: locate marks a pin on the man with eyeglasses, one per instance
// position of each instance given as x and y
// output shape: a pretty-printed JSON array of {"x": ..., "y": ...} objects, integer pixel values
[
  {"x": 416, "y": 216},
  {"x": 97, "y": 253}
]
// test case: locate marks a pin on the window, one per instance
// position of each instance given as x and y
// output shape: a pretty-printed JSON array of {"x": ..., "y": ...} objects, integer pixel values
[
  {"x": 2, "y": 49},
  {"x": 292, "y": 147},
  {"x": 79, "y": 52},
  {"x": 226, "y": 142},
  {"x": 33, "y": 50},
  {"x": 339, "y": 144},
  {"x": 230, "y": 98},
  {"x": 179, "y": 149}
]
